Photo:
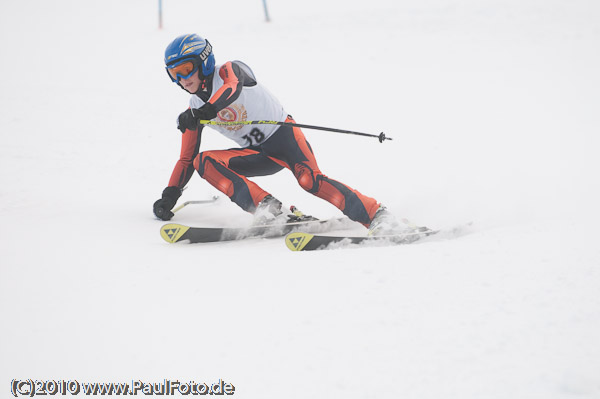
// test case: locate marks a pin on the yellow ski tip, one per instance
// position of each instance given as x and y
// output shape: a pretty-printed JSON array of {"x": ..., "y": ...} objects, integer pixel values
[
  {"x": 172, "y": 232},
  {"x": 297, "y": 241}
]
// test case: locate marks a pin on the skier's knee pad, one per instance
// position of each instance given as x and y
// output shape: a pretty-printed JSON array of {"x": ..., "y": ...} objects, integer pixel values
[
  {"x": 215, "y": 173},
  {"x": 200, "y": 162},
  {"x": 308, "y": 180}
]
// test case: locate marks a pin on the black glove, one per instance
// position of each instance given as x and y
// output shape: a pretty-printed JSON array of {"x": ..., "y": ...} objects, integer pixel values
[
  {"x": 162, "y": 207},
  {"x": 189, "y": 119}
]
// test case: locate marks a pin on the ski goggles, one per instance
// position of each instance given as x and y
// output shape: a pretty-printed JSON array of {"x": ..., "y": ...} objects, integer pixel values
[{"x": 182, "y": 70}]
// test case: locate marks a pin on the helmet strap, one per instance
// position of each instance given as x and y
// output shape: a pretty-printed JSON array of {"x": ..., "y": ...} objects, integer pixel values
[{"x": 205, "y": 89}]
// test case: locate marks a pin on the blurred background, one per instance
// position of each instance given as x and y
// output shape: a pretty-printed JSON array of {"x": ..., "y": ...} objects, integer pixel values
[{"x": 493, "y": 110}]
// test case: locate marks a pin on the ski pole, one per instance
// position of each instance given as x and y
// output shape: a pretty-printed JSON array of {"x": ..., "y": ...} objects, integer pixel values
[
  {"x": 186, "y": 203},
  {"x": 381, "y": 136}
]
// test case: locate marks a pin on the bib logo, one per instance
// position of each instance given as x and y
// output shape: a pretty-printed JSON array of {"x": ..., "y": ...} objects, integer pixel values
[{"x": 233, "y": 113}]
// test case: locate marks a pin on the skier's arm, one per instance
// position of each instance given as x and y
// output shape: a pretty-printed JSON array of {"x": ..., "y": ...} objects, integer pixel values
[
  {"x": 234, "y": 79},
  {"x": 235, "y": 76},
  {"x": 190, "y": 147}
]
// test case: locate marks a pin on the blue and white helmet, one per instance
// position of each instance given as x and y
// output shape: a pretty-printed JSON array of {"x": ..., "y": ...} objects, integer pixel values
[{"x": 194, "y": 47}]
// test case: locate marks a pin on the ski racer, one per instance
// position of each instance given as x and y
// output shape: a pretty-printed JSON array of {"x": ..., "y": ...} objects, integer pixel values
[{"x": 231, "y": 92}]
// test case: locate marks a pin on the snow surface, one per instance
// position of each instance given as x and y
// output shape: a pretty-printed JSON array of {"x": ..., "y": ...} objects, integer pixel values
[{"x": 494, "y": 111}]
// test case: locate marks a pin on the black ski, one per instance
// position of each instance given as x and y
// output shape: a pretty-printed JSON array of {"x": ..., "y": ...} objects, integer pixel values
[
  {"x": 301, "y": 241},
  {"x": 174, "y": 232}
]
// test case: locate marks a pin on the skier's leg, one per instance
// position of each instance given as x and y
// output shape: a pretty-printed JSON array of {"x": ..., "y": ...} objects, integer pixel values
[
  {"x": 290, "y": 146},
  {"x": 227, "y": 171}
]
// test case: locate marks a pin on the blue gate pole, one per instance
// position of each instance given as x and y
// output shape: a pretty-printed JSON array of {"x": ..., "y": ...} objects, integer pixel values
[
  {"x": 266, "y": 11},
  {"x": 159, "y": 14}
]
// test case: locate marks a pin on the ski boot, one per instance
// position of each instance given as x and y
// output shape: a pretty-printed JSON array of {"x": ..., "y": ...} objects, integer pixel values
[
  {"x": 384, "y": 223},
  {"x": 268, "y": 211}
]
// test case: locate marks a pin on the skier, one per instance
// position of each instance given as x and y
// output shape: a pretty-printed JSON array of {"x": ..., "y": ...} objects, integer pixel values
[{"x": 231, "y": 92}]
